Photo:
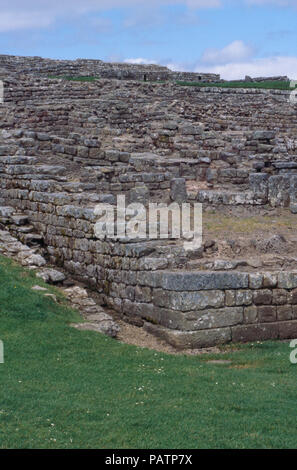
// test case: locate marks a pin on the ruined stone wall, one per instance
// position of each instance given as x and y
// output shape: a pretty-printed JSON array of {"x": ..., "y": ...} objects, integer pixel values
[
  {"x": 207, "y": 134},
  {"x": 66, "y": 146},
  {"x": 98, "y": 68},
  {"x": 140, "y": 281}
]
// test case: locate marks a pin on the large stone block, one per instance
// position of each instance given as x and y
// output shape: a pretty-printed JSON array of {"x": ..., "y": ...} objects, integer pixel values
[
  {"x": 279, "y": 296},
  {"x": 191, "y": 339},
  {"x": 218, "y": 318},
  {"x": 287, "y": 280},
  {"x": 293, "y": 297},
  {"x": 258, "y": 183},
  {"x": 186, "y": 301},
  {"x": 178, "y": 190},
  {"x": 288, "y": 330},
  {"x": 263, "y": 297},
  {"x": 255, "y": 280},
  {"x": 139, "y": 194},
  {"x": 279, "y": 190},
  {"x": 270, "y": 280},
  {"x": 284, "y": 312},
  {"x": 143, "y": 310},
  {"x": 266, "y": 313},
  {"x": 263, "y": 135},
  {"x": 257, "y": 332},
  {"x": 250, "y": 314},
  {"x": 186, "y": 281}
]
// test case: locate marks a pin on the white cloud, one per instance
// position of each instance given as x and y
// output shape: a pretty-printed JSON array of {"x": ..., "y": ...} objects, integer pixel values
[
  {"x": 254, "y": 67},
  {"x": 282, "y": 3},
  {"x": 9, "y": 21},
  {"x": 140, "y": 61},
  {"x": 263, "y": 67},
  {"x": 17, "y": 14},
  {"x": 176, "y": 66},
  {"x": 235, "y": 52}
]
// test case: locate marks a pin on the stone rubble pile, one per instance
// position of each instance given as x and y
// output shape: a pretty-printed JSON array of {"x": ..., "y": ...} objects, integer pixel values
[{"x": 94, "y": 314}]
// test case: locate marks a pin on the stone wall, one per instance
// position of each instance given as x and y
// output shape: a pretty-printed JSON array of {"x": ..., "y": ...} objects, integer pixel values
[
  {"x": 98, "y": 68},
  {"x": 141, "y": 280},
  {"x": 66, "y": 146}
]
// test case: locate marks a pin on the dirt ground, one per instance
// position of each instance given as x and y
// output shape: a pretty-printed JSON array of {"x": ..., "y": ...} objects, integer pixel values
[
  {"x": 137, "y": 336},
  {"x": 263, "y": 237}
]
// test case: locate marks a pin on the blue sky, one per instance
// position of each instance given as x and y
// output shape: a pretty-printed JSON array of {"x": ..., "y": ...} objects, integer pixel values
[{"x": 233, "y": 38}]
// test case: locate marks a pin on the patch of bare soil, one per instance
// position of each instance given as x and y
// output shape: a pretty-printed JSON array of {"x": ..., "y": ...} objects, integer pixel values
[
  {"x": 137, "y": 336},
  {"x": 264, "y": 238}
]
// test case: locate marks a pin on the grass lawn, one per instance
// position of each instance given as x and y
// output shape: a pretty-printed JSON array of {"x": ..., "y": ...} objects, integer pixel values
[{"x": 64, "y": 388}]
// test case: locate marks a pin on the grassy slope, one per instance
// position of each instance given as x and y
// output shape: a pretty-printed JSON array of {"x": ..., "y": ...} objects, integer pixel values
[{"x": 64, "y": 388}]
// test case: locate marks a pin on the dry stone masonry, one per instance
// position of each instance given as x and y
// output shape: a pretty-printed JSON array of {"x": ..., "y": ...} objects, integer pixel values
[
  {"x": 66, "y": 146},
  {"x": 98, "y": 68}
]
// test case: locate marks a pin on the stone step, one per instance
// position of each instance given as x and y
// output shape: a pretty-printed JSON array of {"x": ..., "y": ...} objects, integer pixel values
[
  {"x": 33, "y": 170},
  {"x": 284, "y": 165},
  {"x": 6, "y": 211},
  {"x": 22, "y": 228},
  {"x": 229, "y": 198},
  {"x": 33, "y": 239},
  {"x": 19, "y": 219},
  {"x": 18, "y": 160}
]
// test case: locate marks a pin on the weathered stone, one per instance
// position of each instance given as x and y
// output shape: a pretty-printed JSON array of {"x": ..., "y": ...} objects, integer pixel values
[
  {"x": 266, "y": 313},
  {"x": 292, "y": 298},
  {"x": 193, "y": 339},
  {"x": 255, "y": 281},
  {"x": 287, "y": 280},
  {"x": 258, "y": 183},
  {"x": 288, "y": 330},
  {"x": 143, "y": 294},
  {"x": 279, "y": 190},
  {"x": 185, "y": 281},
  {"x": 263, "y": 297},
  {"x": 178, "y": 190},
  {"x": 270, "y": 280},
  {"x": 244, "y": 297},
  {"x": 219, "y": 318},
  {"x": 35, "y": 260},
  {"x": 263, "y": 135},
  {"x": 279, "y": 296},
  {"x": 6, "y": 211},
  {"x": 108, "y": 328},
  {"x": 284, "y": 312},
  {"x": 19, "y": 219},
  {"x": 139, "y": 194},
  {"x": 186, "y": 301},
  {"x": 230, "y": 299},
  {"x": 257, "y": 332},
  {"x": 39, "y": 288},
  {"x": 250, "y": 314},
  {"x": 51, "y": 275}
]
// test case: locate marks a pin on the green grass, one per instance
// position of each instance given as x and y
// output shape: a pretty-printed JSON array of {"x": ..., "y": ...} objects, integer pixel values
[
  {"x": 268, "y": 85},
  {"x": 273, "y": 84},
  {"x": 76, "y": 79},
  {"x": 64, "y": 388},
  {"x": 222, "y": 224}
]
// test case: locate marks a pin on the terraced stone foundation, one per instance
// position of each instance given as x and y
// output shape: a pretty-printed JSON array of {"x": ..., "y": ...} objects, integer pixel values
[{"x": 67, "y": 146}]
